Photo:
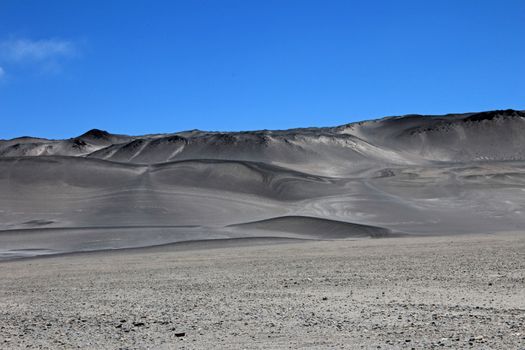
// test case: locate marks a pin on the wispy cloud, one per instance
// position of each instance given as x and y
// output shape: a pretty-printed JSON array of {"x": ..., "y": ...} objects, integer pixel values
[
  {"x": 36, "y": 50},
  {"x": 46, "y": 55}
]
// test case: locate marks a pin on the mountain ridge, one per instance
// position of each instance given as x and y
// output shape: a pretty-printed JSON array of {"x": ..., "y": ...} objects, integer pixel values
[{"x": 409, "y": 139}]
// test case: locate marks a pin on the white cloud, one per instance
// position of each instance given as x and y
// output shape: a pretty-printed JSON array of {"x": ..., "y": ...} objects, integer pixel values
[
  {"x": 20, "y": 50},
  {"x": 45, "y": 56}
]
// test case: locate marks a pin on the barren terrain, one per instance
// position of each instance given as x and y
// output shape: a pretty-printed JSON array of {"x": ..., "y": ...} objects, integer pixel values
[
  {"x": 402, "y": 232},
  {"x": 400, "y": 293},
  {"x": 398, "y": 176}
]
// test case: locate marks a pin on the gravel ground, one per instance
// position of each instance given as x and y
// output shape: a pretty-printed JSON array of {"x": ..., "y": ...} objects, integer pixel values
[{"x": 407, "y": 293}]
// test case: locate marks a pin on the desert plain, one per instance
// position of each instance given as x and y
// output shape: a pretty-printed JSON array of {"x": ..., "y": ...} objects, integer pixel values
[{"x": 459, "y": 292}]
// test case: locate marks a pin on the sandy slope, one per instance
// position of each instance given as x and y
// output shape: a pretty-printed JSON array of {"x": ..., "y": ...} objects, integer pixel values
[
  {"x": 405, "y": 175},
  {"x": 60, "y": 204},
  {"x": 307, "y": 226},
  {"x": 433, "y": 292}
]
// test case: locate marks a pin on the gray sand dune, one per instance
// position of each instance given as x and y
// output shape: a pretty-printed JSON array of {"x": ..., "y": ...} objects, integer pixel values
[
  {"x": 420, "y": 175},
  {"x": 315, "y": 227}
]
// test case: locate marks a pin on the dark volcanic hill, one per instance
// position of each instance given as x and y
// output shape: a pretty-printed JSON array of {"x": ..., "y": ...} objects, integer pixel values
[{"x": 397, "y": 175}]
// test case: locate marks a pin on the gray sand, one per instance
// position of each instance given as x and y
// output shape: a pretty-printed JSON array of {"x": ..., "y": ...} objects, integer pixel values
[
  {"x": 410, "y": 175},
  {"x": 430, "y": 292}
]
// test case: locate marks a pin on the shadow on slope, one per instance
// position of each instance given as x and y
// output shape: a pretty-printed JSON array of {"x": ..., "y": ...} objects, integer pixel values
[
  {"x": 492, "y": 135},
  {"x": 71, "y": 192},
  {"x": 315, "y": 227},
  {"x": 252, "y": 178}
]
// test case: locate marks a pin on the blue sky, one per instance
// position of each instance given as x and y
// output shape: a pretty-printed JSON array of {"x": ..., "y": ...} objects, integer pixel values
[{"x": 140, "y": 67}]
